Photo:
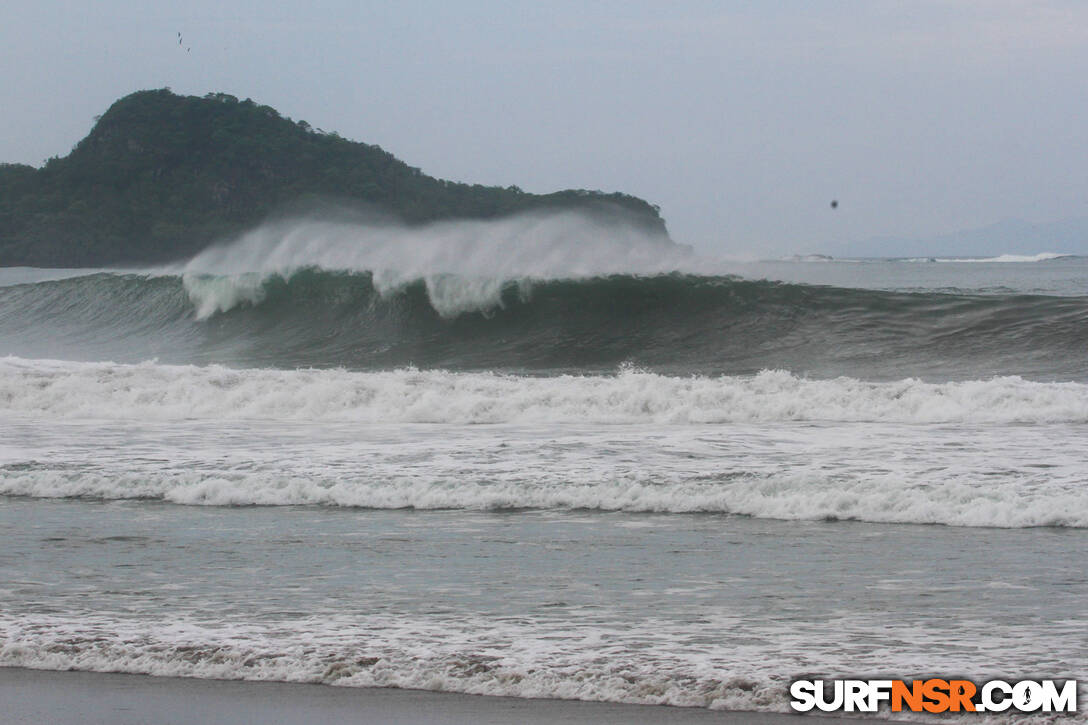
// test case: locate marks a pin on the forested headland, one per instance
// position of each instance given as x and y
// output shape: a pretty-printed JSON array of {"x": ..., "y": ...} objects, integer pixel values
[{"x": 162, "y": 176}]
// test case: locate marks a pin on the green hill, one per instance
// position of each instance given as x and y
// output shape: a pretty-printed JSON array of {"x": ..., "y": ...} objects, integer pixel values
[{"x": 162, "y": 176}]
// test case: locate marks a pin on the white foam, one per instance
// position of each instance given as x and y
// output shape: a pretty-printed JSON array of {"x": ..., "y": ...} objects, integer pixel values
[
  {"x": 772, "y": 445},
  {"x": 72, "y": 390},
  {"x": 900, "y": 497},
  {"x": 956, "y": 474},
  {"x": 723, "y": 663},
  {"x": 477, "y": 655}
]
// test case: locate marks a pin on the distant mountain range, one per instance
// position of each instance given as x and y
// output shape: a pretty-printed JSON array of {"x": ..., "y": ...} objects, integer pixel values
[
  {"x": 1011, "y": 236},
  {"x": 162, "y": 176}
]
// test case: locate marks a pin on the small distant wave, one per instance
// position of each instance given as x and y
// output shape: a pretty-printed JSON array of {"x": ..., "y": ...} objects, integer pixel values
[
  {"x": 808, "y": 258},
  {"x": 1003, "y": 258},
  {"x": 29, "y": 275}
]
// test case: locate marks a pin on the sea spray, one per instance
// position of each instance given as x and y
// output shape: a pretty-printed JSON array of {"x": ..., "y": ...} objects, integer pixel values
[{"x": 465, "y": 264}]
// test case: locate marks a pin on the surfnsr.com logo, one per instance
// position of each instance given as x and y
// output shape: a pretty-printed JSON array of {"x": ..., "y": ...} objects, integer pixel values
[{"x": 934, "y": 695}]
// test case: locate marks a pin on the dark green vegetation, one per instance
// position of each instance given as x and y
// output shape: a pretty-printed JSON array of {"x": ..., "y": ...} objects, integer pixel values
[{"x": 162, "y": 176}]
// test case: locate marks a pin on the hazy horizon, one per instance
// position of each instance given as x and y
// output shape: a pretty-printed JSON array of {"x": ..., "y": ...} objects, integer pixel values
[{"x": 742, "y": 124}]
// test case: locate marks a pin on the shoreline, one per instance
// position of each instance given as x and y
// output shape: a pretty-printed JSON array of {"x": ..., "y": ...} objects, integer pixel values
[{"x": 101, "y": 698}]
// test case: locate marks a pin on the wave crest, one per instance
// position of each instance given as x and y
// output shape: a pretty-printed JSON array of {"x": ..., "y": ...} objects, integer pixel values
[{"x": 464, "y": 265}]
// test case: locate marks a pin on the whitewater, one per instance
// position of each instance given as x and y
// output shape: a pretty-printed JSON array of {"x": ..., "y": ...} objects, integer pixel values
[
  {"x": 149, "y": 391},
  {"x": 545, "y": 457}
]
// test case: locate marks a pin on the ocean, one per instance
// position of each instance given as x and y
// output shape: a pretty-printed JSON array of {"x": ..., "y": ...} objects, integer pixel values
[{"x": 512, "y": 461}]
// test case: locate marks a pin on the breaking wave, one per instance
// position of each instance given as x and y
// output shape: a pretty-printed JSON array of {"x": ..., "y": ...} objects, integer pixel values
[
  {"x": 547, "y": 293},
  {"x": 675, "y": 323}
]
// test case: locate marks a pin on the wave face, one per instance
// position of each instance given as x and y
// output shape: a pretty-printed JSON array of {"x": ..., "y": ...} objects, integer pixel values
[{"x": 675, "y": 323}]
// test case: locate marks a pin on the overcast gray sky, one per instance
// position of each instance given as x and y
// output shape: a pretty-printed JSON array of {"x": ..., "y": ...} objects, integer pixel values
[{"x": 741, "y": 120}]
